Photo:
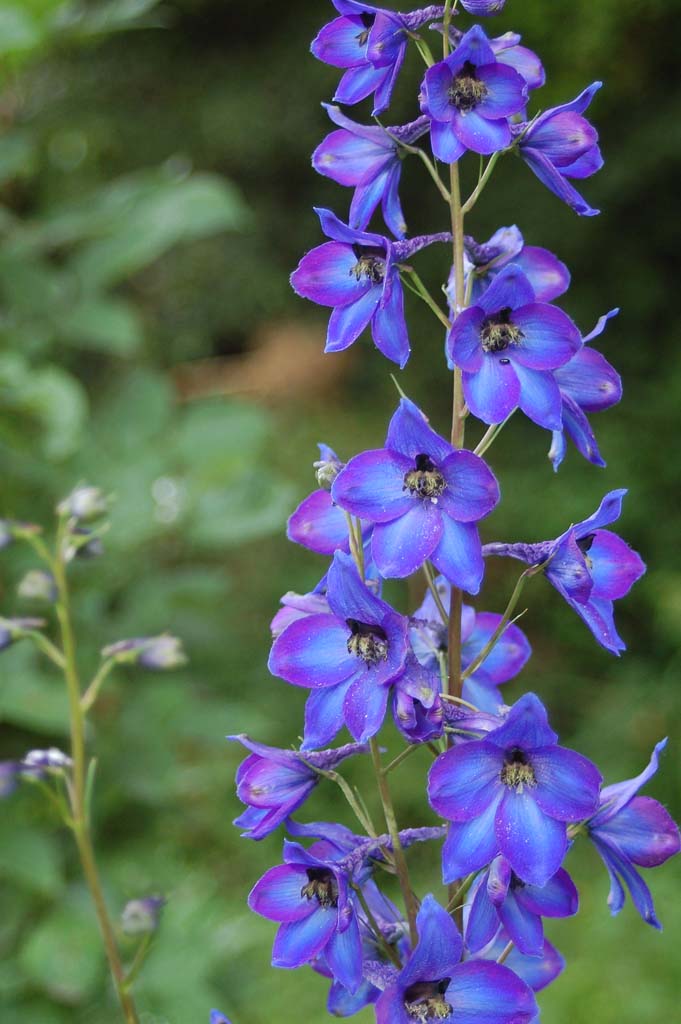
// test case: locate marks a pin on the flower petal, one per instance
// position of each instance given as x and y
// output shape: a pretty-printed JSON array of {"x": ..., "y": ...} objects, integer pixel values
[
  {"x": 277, "y": 895},
  {"x": 493, "y": 391},
  {"x": 445, "y": 144},
  {"x": 439, "y": 946},
  {"x": 324, "y": 715},
  {"x": 472, "y": 490},
  {"x": 410, "y": 434},
  {"x": 325, "y": 275},
  {"x": 550, "y": 338},
  {"x": 615, "y": 566},
  {"x": 458, "y": 555},
  {"x": 506, "y": 91},
  {"x": 318, "y": 524},
  {"x": 371, "y": 486},
  {"x": 548, "y": 276},
  {"x": 470, "y": 845},
  {"x": 534, "y": 843},
  {"x": 346, "y": 323},
  {"x": 389, "y": 328},
  {"x": 364, "y": 707},
  {"x": 643, "y": 831},
  {"x": 568, "y": 784},
  {"x": 344, "y": 956},
  {"x": 523, "y": 927},
  {"x": 558, "y": 898},
  {"x": 464, "y": 781},
  {"x": 480, "y": 134},
  {"x": 464, "y": 347},
  {"x": 539, "y": 396},
  {"x": 337, "y": 43},
  {"x": 482, "y": 992},
  {"x": 401, "y": 547},
  {"x": 313, "y": 652},
  {"x": 299, "y": 942}
]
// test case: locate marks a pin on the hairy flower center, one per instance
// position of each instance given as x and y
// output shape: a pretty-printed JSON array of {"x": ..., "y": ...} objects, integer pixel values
[
  {"x": 466, "y": 91},
  {"x": 498, "y": 332},
  {"x": 321, "y": 886},
  {"x": 425, "y": 1001},
  {"x": 425, "y": 480},
  {"x": 517, "y": 771},
  {"x": 368, "y": 21},
  {"x": 370, "y": 264},
  {"x": 367, "y": 642},
  {"x": 584, "y": 545}
]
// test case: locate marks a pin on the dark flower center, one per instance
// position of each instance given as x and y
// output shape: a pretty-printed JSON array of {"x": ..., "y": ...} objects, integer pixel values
[
  {"x": 499, "y": 331},
  {"x": 321, "y": 886},
  {"x": 370, "y": 263},
  {"x": 425, "y": 1000},
  {"x": 516, "y": 883},
  {"x": 425, "y": 480},
  {"x": 517, "y": 771},
  {"x": 368, "y": 21},
  {"x": 584, "y": 545},
  {"x": 367, "y": 642},
  {"x": 466, "y": 91}
]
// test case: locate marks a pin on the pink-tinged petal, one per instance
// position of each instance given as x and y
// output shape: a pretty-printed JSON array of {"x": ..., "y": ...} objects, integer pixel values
[
  {"x": 325, "y": 275},
  {"x": 350, "y": 159},
  {"x": 643, "y": 831},
  {"x": 615, "y": 566},
  {"x": 445, "y": 144},
  {"x": 472, "y": 490},
  {"x": 300, "y": 942},
  {"x": 313, "y": 652},
  {"x": 506, "y": 91},
  {"x": 439, "y": 946},
  {"x": 524, "y": 927},
  {"x": 465, "y": 780},
  {"x": 487, "y": 993},
  {"x": 480, "y": 135},
  {"x": 558, "y": 898},
  {"x": 337, "y": 43},
  {"x": 277, "y": 895},
  {"x": 346, "y": 323},
  {"x": 318, "y": 524},
  {"x": 470, "y": 845},
  {"x": 401, "y": 547},
  {"x": 458, "y": 556},
  {"x": 509, "y": 290},
  {"x": 564, "y": 137},
  {"x": 389, "y": 329},
  {"x": 436, "y": 84},
  {"x": 267, "y": 784},
  {"x": 539, "y": 396},
  {"x": 464, "y": 346},
  {"x": 550, "y": 338},
  {"x": 364, "y": 707},
  {"x": 324, "y": 715},
  {"x": 344, "y": 956},
  {"x": 493, "y": 391},
  {"x": 548, "y": 276},
  {"x": 371, "y": 486},
  {"x": 410, "y": 434},
  {"x": 534, "y": 843}
]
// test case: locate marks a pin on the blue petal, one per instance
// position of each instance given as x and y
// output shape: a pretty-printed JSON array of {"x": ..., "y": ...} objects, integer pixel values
[
  {"x": 534, "y": 843},
  {"x": 526, "y": 726},
  {"x": 555, "y": 182},
  {"x": 324, "y": 716},
  {"x": 487, "y": 993},
  {"x": 445, "y": 144},
  {"x": 389, "y": 329},
  {"x": 410, "y": 434},
  {"x": 479, "y": 134},
  {"x": 493, "y": 391},
  {"x": 401, "y": 547},
  {"x": 524, "y": 927},
  {"x": 509, "y": 290},
  {"x": 358, "y": 83},
  {"x": 364, "y": 708},
  {"x": 325, "y": 275},
  {"x": 346, "y": 323},
  {"x": 464, "y": 781},
  {"x": 483, "y": 920},
  {"x": 469, "y": 845},
  {"x": 337, "y": 43},
  {"x": 349, "y": 597},
  {"x": 300, "y": 942},
  {"x": 617, "y": 796},
  {"x": 539, "y": 396},
  {"x": 344, "y": 956},
  {"x": 439, "y": 946},
  {"x": 312, "y": 652},
  {"x": 458, "y": 555},
  {"x": 371, "y": 486}
]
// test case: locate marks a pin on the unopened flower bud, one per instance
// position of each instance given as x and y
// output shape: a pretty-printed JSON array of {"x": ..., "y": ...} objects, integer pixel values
[
  {"x": 327, "y": 467},
  {"x": 218, "y": 1018},
  {"x": 10, "y": 530},
  {"x": 84, "y": 503},
  {"x": 15, "y": 629},
  {"x": 82, "y": 543},
  {"x": 38, "y": 585},
  {"x": 51, "y": 759},
  {"x": 480, "y": 8},
  {"x": 142, "y": 916},
  {"x": 155, "y": 652}
]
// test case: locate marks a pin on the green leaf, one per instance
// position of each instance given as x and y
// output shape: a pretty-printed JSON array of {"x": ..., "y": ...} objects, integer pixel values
[
  {"x": 19, "y": 31},
  {"x": 103, "y": 324},
  {"x": 30, "y": 858},
  {"x": 28, "y": 698},
  {"x": 62, "y": 954}
]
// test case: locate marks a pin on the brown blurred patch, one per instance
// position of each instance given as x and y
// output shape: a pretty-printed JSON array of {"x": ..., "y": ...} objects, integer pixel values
[{"x": 286, "y": 363}]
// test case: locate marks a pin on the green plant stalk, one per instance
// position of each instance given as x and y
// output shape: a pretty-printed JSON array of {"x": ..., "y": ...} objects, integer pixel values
[
  {"x": 81, "y": 823},
  {"x": 401, "y": 868},
  {"x": 505, "y": 619}
]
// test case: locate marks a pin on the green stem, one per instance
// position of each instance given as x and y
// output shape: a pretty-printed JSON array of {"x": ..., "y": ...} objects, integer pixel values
[
  {"x": 92, "y": 692},
  {"x": 376, "y": 929},
  {"x": 345, "y": 789},
  {"x": 477, "y": 191},
  {"x": 398, "y": 853},
  {"x": 430, "y": 579},
  {"x": 505, "y": 953},
  {"x": 505, "y": 619},
  {"x": 48, "y": 648},
  {"x": 490, "y": 436},
  {"x": 423, "y": 293},
  {"x": 402, "y": 756}
]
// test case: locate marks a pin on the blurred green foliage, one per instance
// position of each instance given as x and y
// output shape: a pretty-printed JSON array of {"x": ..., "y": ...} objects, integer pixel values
[{"x": 155, "y": 192}]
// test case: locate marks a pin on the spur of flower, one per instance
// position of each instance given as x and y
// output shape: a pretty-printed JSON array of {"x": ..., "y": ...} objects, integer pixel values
[
  {"x": 508, "y": 345},
  {"x": 434, "y": 985},
  {"x": 505, "y": 660},
  {"x": 309, "y": 896},
  {"x": 348, "y": 658},
  {"x": 562, "y": 144},
  {"x": 469, "y": 98},
  {"x": 369, "y": 159},
  {"x": 588, "y": 383},
  {"x": 512, "y": 793},
  {"x": 499, "y": 898},
  {"x": 632, "y": 831},
  {"x": 273, "y": 783},
  {"x": 425, "y": 499},
  {"x": 589, "y": 566}
]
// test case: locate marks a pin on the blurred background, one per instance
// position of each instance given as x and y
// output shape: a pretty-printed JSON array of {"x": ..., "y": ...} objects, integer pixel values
[{"x": 155, "y": 193}]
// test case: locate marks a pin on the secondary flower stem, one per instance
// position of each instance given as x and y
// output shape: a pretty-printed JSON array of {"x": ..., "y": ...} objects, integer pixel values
[
  {"x": 402, "y": 756},
  {"x": 420, "y": 289},
  {"x": 477, "y": 191},
  {"x": 389, "y": 951},
  {"x": 490, "y": 436},
  {"x": 92, "y": 692},
  {"x": 80, "y": 823},
  {"x": 428, "y": 573},
  {"x": 398, "y": 853},
  {"x": 505, "y": 619},
  {"x": 505, "y": 952}
]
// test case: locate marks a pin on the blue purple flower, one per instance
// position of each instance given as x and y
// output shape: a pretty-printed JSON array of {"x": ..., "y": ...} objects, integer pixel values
[
  {"x": 508, "y": 346},
  {"x": 499, "y": 898},
  {"x": 630, "y": 830},
  {"x": 588, "y": 383},
  {"x": 348, "y": 657},
  {"x": 562, "y": 144},
  {"x": 536, "y": 971},
  {"x": 435, "y": 985},
  {"x": 370, "y": 160},
  {"x": 512, "y": 793},
  {"x": 469, "y": 97},
  {"x": 424, "y": 498},
  {"x": 273, "y": 783},
  {"x": 589, "y": 566}
]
